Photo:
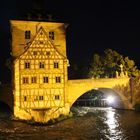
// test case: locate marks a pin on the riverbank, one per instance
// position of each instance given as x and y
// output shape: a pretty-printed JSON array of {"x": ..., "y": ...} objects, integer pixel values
[{"x": 61, "y": 117}]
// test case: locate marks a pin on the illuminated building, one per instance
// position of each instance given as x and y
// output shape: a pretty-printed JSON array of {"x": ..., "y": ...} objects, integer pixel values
[{"x": 39, "y": 69}]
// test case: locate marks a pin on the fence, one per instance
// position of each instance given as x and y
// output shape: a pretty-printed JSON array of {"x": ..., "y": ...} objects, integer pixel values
[{"x": 91, "y": 103}]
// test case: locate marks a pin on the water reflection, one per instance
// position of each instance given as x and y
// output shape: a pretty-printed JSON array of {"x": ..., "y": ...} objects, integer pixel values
[
  {"x": 107, "y": 122},
  {"x": 112, "y": 121}
]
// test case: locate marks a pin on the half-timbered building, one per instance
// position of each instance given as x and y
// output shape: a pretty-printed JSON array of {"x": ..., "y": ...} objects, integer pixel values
[{"x": 39, "y": 67}]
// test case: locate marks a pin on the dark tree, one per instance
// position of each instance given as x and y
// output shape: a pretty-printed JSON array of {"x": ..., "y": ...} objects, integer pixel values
[{"x": 108, "y": 64}]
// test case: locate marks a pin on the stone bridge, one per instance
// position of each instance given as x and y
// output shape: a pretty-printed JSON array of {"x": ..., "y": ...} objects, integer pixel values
[{"x": 76, "y": 88}]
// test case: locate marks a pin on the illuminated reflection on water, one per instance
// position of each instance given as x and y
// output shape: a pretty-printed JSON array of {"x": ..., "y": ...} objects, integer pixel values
[
  {"x": 87, "y": 124},
  {"x": 113, "y": 125}
]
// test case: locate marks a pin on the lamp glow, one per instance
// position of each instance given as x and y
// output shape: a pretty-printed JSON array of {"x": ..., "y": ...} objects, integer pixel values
[{"x": 110, "y": 99}]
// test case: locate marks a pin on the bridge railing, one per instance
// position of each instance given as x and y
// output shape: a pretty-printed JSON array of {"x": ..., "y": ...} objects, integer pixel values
[{"x": 91, "y": 103}]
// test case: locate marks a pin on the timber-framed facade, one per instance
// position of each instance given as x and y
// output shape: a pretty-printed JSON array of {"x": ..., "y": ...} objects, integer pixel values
[{"x": 39, "y": 68}]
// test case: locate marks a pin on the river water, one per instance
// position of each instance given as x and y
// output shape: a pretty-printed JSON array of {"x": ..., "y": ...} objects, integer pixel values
[{"x": 86, "y": 124}]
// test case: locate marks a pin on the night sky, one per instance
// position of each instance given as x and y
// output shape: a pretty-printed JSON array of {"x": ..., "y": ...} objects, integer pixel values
[{"x": 93, "y": 27}]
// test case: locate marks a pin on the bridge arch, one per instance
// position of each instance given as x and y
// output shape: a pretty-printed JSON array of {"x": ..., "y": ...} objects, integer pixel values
[
  {"x": 101, "y": 94},
  {"x": 76, "y": 88}
]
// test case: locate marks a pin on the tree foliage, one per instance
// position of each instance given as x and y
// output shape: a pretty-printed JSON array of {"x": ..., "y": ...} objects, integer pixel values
[{"x": 108, "y": 64}]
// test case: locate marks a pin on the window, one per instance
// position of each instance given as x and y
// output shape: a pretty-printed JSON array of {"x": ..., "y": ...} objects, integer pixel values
[
  {"x": 41, "y": 65},
  {"x": 47, "y": 53},
  {"x": 33, "y": 80},
  {"x": 41, "y": 33},
  {"x": 45, "y": 80},
  {"x": 25, "y": 98},
  {"x": 34, "y": 52},
  {"x": 27, "y": 34},
  {"x": 36, "y": 98},
  {"x": 40, "y": 97},
  {"x": 25, "y": 80},
  {"x": 57, "y": 97},
  {"x": 41, "y": 42},
  {"x": 51, "y": 35},
  {"x": 56, "y": 65},
  {"x": 27, "y": 65},
  {"x": 58, "y": 79}
]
